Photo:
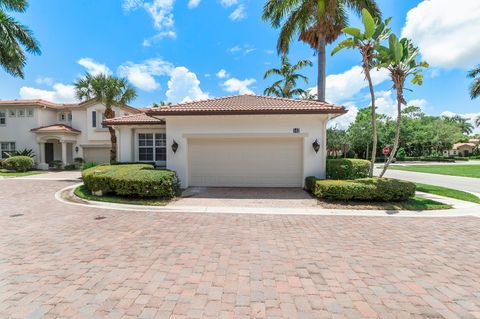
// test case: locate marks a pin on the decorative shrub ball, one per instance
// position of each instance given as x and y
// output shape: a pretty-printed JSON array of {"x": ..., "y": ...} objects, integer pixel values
[{"x": 19, "y": 163}]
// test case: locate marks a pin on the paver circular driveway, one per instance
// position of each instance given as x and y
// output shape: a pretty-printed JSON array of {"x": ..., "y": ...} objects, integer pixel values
[{"x": 59, "y": 260}]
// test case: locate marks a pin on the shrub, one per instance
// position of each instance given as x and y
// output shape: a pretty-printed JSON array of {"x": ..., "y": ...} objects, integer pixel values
[
  {"x": 78, "y": 160},
  {"x": 19, "y": 163},
  {"x": 347, "y": 168},
  {"x": 70, "y": 167},
  {"x": 310, "y": 182},
  {"x": 24, "y": 152},
  {"x": 57, "y": 164},
  {"x": 135, "y": 180},
  {"x": 89, "y": 165},
  {"x": 1, "y": 163},
  {"x": 401, "y": 154},
  {"x": 364, "y": 189}
]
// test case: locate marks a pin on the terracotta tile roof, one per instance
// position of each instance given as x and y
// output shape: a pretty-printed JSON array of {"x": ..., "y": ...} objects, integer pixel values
[
  {"x": 457, "y": 145},
  {"x": 56, "y": 128},
  {"x": 37, "y": 102},
  {"x": 248, "y": 104},
  {"x": 139, "y": 119},
  {"x": 56, "y": 106}
]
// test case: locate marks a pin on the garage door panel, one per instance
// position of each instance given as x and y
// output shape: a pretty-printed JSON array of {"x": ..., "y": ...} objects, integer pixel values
[
  {"x": 97, "y": 155},
  {"x": 237, "y": 162}
]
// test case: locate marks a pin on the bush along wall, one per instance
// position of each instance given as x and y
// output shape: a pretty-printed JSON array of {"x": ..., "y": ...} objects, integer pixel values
[
  {"x": 134, "y": 180},
  {"x": 347, "y": 168},
  {"x": 19, "y": 163},
  {"x": 364, "y": 189}
]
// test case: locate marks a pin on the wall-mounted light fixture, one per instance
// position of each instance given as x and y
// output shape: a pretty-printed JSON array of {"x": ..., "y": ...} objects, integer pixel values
[
  {"x": 76, "y": 149},
  {"x": 316, "y": 146},
  {"x": 174, "y": 146}
]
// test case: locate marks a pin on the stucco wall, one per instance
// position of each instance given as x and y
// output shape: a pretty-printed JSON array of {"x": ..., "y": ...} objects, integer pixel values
[{"x": 179, "y": 128}]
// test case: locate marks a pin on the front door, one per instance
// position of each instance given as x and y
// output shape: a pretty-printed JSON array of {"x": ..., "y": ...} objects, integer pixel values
[{"x": 49, "y": 153}]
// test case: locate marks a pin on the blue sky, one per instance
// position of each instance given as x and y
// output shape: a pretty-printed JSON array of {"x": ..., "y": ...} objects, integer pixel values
[{"x": 174, "y": 50}]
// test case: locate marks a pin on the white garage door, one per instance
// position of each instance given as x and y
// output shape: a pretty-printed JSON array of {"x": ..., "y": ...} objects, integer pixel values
[
  {"x": 246, "y": 162},
  {"x": 97, "y": 155}
]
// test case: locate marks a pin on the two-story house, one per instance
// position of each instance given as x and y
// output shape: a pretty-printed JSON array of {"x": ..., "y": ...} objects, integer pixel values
[{"x": 57, "y": 131}]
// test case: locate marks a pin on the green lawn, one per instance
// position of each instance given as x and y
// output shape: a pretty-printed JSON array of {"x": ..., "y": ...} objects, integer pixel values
[
  {"x": 4, "y": 172},
  {"x": 419, "y": 203},
  {"x": 447, "y": 192},
  {"x": 454, "y": 170},
  {"x": 84, "y": 193}
]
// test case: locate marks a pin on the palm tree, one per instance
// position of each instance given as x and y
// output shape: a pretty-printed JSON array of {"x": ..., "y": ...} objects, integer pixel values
[
  {"x": 461, "y": 122},
  {"x": 286, "y": 87},
  {"x": 477, "y": 121},
  {"x": 162, "y": 103},
  {"x": 109, "y": 90},
  {"x": 400, "y": 59},
  {"x": 15, "y": 38},
  {"x": 316, "y": 22},
  {"x": 475, "y": 87},
  {"x": 367, "y": 42}
]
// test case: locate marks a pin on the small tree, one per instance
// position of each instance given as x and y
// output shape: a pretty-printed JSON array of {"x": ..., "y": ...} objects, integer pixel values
[
  {"x": 109, "y": 90},
  {"x": 400, "y": 59},
  {"x": 287, "y": 85},
  {"x": 367, "y": 43}
]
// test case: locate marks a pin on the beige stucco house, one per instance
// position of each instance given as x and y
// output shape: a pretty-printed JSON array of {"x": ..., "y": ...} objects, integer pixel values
[
  {"x": 241, "y": 140},
  {"x": 56, "y": 131},
  {"x": 462, "y": 149}
]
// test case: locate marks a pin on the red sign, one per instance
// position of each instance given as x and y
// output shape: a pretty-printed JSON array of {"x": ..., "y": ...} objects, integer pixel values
[{"x": 386, "y": 151}]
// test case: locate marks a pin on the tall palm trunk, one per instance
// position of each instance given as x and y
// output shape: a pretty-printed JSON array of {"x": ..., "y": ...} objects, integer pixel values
[
  {"x": 397, "y": 129},
  {"x": 374, "y": 119},
  {"x": 109, "y": 114},
  {"x": 322, "y": 64}
]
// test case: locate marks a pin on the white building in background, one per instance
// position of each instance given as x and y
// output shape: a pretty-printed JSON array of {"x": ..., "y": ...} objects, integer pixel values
[{"x": 57, "y": 131}]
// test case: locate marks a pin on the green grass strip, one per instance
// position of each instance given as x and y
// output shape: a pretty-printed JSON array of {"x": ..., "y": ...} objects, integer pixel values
[
  {"x": 447, "y": 192},
  {"x": 84, "y": 193}
]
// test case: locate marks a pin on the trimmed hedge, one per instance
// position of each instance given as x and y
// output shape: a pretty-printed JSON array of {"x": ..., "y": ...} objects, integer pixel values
[
  {"x": 364, "y": 189},
  {"x": 137, "y": 180},
  {"x": 19, "y": 163},
  {"x": 347, "y": 168}
]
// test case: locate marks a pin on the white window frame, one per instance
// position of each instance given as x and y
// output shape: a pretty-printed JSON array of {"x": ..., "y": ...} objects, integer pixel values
[
  {"x": 62, "y": 117},
  {"x": 29, "y": 112},
  {"x": 12, "y": 113},
  {"x": 4, "y": 117},
  {"x": 158, "y": 143},
  {"x": 69, "y": 116},
  {"x": 21, "y": 113},
  {"x": 6, "y": 149}
]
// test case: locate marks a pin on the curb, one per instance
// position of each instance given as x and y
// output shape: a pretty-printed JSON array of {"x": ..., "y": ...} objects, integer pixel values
[{"x": 66, "y": 196}]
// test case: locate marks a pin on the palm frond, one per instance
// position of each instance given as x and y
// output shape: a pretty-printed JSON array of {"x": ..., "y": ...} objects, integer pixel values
[{"x": 14, "y": 5}]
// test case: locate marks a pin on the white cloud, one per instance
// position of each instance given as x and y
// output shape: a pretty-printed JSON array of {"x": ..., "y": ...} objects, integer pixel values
[
  {"x": 343, "y": 86},
  {"x": 44, "y": 80},
  {"x": 184, "y": 86},
  {"x": 234, "y": 85},
  {"x": 245, "y": 49},
  {"x": 470, "y": 116},
  {"x": 162, "y": 15},
  {"x": 142, "y": 75},
  {"x": 238, "y": 14},
  {"x": 447, "y": 34},
  {"x": 386, "y": 103},
  {"x": 62, "y": 93},
  {"x": 193, "y": 3},
  {"x": 228, "y": 3},
  {"x": 222, "y": 74},
  {"x": 343, "y": 122},
  {"x": 94, "y": 67}
]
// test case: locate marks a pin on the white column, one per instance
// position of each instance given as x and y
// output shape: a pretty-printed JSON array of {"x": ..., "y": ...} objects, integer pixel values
[
  {"x": 41, "y": 157},
  {"x": 64, "y": 153}
]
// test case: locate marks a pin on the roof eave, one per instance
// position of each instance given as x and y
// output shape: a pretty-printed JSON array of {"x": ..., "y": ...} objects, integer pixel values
[{"x": 249, "y": 112}]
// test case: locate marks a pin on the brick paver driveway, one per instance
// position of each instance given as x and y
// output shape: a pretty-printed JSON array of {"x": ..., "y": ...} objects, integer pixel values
[{"x": 58, "y": 260}]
